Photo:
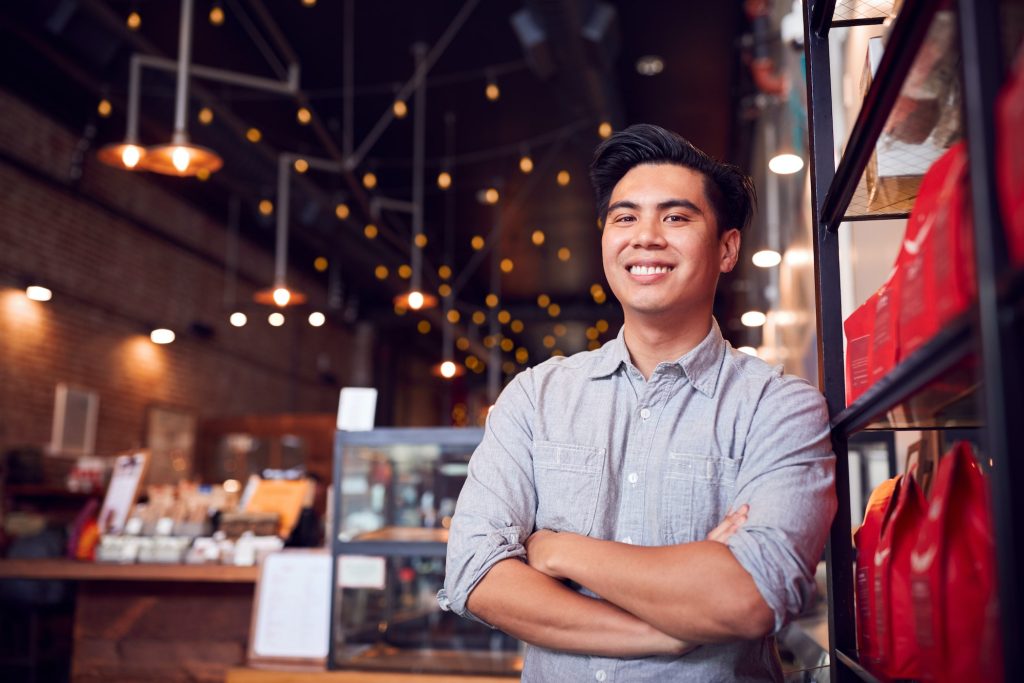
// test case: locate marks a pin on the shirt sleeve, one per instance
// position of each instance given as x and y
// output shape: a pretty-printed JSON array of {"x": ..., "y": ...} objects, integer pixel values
[
  {"x": 498, "y": 503},
  {"x": 788, "y": 479}
]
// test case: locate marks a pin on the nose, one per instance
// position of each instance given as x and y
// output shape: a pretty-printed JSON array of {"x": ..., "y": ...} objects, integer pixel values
[{"x": 648, "y": 234}]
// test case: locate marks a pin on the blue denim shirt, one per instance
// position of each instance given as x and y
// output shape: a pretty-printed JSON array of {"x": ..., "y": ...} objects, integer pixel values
[{"x": 584, "y": 444}]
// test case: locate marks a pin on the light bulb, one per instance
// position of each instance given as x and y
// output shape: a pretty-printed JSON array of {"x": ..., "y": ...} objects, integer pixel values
[
  {"x": 282, "y": 296},
  {"x": 317, "y": 319},
  {"x": 492, "y": 91},
  {"x": 180, "y": 157},
  {"x": 753, "y": 319},
  {"x": 131, "y": 155},
  {"x": 400, "y": 108},
  {"x": 766, "y": 258},
  {"x": 785, "y": 164},
  {"x": 526, "y": 164},
  {"x": 447, "y": 369},
  {"x": 415, "y": 300},
  {"x": 444, "y": 180},
  {"x": 238, "y": 319},
  {"x": 161, "y": 336},
  {"x": 276, "y": 319},
  {"x": 604, "y": 130},
  {"x": 38, "y": 293}
]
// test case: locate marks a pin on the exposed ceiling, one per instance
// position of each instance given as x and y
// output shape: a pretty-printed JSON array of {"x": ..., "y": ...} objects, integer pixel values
[{"x": 553, "y": 94}]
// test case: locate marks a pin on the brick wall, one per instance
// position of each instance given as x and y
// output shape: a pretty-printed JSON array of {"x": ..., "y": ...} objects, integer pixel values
[{"x": 121, "y": 253}]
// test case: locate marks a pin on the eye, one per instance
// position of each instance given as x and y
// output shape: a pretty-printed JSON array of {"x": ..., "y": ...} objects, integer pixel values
[
  {"x": 624, "y": 218},
  {"x": 677, "y": 218}
]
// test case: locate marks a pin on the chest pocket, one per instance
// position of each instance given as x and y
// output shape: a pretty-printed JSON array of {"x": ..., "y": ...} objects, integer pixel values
[
  {"x": 696, "y": 493},
  {"x": 568, "y": 479}
]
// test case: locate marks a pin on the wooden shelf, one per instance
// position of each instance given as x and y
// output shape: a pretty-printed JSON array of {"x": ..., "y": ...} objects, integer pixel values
[{"x": 73, "y": 570}]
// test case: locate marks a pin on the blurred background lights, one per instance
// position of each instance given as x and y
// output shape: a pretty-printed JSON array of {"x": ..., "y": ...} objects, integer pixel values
[
  {"x": 317, "y": 319},
  {"x": 161, "y": 335},
  {"x": 238, "y": 319},
  {"x": 276, "y": 319},
  {"x": 38, "y": 293},
  {"x": 753, "y": 319}
]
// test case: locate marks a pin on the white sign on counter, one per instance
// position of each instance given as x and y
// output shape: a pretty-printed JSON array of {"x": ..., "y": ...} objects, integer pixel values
[{"x": 291, "y": 618}]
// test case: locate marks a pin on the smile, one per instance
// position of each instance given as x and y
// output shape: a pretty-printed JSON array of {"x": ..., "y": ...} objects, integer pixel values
[{"x": 649, "y": 270}]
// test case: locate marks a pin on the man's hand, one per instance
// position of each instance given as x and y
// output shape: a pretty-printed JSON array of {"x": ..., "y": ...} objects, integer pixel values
[
  {"x": 544, "y": 547},
  {"x": 734, "y": 519}
]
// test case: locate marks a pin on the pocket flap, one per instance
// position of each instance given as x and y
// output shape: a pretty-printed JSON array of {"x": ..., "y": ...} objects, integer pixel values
[
  {"x": 568, "y": 457},
  {"x": 701, "y": 468}
]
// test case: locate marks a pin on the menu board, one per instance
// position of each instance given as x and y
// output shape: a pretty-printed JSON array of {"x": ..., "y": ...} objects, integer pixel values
[{"x": 291, "y": 618}]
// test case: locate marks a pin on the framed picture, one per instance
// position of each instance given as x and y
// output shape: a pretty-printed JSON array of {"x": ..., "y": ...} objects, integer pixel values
[
  {"x": 171, "y": 439},
  {"x": 75, "y": 411}
]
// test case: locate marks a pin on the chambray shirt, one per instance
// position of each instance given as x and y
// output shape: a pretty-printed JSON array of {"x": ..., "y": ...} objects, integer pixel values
[{"x": 585, "y": 444}]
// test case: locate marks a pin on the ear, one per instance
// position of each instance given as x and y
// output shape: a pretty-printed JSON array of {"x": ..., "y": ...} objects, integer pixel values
[{"x": 729, "y": 250}]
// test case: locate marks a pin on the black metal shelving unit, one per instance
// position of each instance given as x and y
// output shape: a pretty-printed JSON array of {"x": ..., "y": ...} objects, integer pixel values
[{"x": 988, "y": 339}]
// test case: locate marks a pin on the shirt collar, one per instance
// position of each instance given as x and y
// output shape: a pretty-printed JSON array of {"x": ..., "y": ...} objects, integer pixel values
[{"x": 701, "y": 364}]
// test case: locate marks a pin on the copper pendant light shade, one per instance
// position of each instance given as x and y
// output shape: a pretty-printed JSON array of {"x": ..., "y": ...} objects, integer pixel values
[{"x": 180, "y": 159}]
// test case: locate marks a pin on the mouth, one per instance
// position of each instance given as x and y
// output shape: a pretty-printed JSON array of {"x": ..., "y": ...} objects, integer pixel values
[{"x": 638, "y": 269}]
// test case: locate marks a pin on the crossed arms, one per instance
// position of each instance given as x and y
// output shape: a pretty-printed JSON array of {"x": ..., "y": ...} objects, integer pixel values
[{"x": 658, "y": 600}]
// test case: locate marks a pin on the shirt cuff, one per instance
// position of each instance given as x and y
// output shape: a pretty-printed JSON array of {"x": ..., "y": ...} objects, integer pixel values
[
  {"x": 465, "y": 570},
  {"x": 752, "y": 551}
]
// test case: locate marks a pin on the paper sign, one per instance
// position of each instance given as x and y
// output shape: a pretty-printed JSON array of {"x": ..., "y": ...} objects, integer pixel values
[
  {"x": 293, "y": 605},
  {"x": 356, "y": 409},
  {"x": 362, "y": 571},
  {"x": 122, "y": 491}
]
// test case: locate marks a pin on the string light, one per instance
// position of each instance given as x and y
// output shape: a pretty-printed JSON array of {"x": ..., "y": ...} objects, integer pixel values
[
  {"x": 205, "y": 116},
  {"x": 400, "y": 109},
  {"x": 479, "y": 318},
  {"x": 423, "y": 326},
  {"x": 266, "y": 207},
  {"x": 543, "y": 300},
  {"x": 491, "y": 300},
  {"x": 317, "y": 319},
  {"x": 492, "y": 91},
  {"x": 504, "y": 317},
  {"x": 370, "y": 231},
  {"x": 38, "y": 293},
  {"x": 282, "y": 296},
  {"x": 604, "y": 129},
  {"x": 537, "y": 237},
  {"x": 301, "y": 165},
  {"x": 477, "y": 242},
  {"x": 369, "y": 180},
  {"x": 304, "y": 116},
  {"x": 507, "y": 265},
  {"x": 202, "y": 174},
  {"x": 507, "y": 345},
  {"x": 444, "y": 180},
  {"x": 522, "y": 355},
  {"x": 453, "y": 316},
  {"x": 592, "y": 333},
  {"x": 549, "y": 341},
  {"x": 602, "y": 326},
  {"x": 560, "y": 330},
  {"x": 491, "y": 196},
  {"x": 516, "y": 326},
  {"x": 276, "y": 319},
  {"x": 420, "y": 240},
  {"x": 308, "y": 3},
  {"x": 342, "y": 211},
  {"x": 320, "y": 263},
  {"x": 253, "y": 135},
  {"x": 217, "y": 15},
  {"x": 104, "y": 108},
  {"x": 462, "y": 344},
  {"x": 405, "y": 272},
  {"x": 238, "y": 319},
  {"x": 554, "y": 310},
  {"x": 381, "y": 272},
  {"x": 564, "y": 254},
  {"x": 134, "y": 20},
  {"x": 445, "y": 289},
  {"x": 563, "y": 178},
  {"x": 753, "y": 319},
  {"x": 525, "y": 163},
  {"x": 444, "y": 272}
]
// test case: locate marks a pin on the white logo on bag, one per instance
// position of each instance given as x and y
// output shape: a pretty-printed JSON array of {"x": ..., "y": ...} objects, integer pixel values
[
  {"x": 935, "y": 509},
  {"x": 920, "y": 562},
  {"x": 880, "y": 556}
]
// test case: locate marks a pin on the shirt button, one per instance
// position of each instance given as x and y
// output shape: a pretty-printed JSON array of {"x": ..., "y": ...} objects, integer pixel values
[
  {"x": 633, "y": 477},
  {"x": 645, "y": 413},
  {"x": 600, "y": 675},
  {"x": 627, "y": 540}
]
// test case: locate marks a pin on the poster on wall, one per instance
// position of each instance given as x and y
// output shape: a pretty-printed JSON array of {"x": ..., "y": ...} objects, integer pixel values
[
  {"x": 75, "y": 411},
  {"x": 171, "y": 440}
]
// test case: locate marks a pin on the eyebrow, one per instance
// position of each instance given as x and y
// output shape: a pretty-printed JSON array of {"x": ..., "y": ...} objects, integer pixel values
[{"x": 667, "y": 204}]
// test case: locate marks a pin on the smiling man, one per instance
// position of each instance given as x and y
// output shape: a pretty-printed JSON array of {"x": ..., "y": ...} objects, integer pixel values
[{"x": 597, "y": 522}]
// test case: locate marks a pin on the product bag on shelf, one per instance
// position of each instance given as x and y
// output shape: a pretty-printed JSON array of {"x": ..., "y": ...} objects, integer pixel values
[
  {"x": 866, "y": 539},
  {"x": 937, "y": 255},
  {"x": 885, "y": 349},
  {"x": 859, "y": 328},
  {"x": 898, "y": 653},
  {"x": 953, "y": 576},
  {"x": 1010, "y": 159}
]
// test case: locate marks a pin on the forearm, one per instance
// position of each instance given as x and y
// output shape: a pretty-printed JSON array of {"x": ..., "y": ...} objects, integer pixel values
[
  {"x": 696, "y": 592},
  {"x": 542, "y": 611}
]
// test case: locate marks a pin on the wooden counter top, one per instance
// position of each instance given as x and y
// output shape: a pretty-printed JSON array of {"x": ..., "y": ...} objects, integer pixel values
[{"x": 101, "y": 571}]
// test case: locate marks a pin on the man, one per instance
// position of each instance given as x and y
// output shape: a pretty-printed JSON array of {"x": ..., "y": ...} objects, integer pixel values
[{"x": 587, "y": 524}]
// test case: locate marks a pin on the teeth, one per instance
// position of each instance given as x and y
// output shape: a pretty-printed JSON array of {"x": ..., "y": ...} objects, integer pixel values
[{"x": 648, "y": 270}]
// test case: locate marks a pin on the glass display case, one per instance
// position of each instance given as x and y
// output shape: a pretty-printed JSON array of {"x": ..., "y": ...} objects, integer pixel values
[{"x": 393, "y": 495}]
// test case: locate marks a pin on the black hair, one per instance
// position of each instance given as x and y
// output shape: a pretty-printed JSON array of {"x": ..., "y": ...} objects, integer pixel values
[{"x": 729, "y": 190}]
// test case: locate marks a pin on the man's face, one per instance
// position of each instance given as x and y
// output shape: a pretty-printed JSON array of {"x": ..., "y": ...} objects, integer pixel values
[{"x": 660, "y": 244}]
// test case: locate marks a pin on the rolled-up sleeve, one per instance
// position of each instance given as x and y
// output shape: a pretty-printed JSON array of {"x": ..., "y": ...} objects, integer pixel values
[
  {"x": 787, "y": 476},
  {"x": 498, "y": 503}
]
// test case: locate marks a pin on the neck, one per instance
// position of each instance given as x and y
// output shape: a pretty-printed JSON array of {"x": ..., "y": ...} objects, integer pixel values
[{"x": 652, "y": 341}]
